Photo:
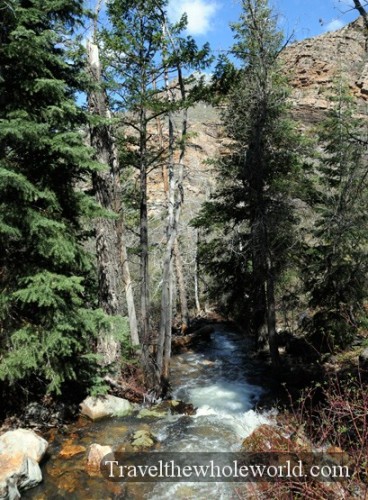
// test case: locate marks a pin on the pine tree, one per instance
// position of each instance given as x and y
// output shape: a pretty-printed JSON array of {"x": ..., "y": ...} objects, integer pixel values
[
  {"x": 145, "y": 61},
  {"x": 252, "y": 210},
  {"x": 336, "y": 256},
  {"x": 47, "y": 320}
]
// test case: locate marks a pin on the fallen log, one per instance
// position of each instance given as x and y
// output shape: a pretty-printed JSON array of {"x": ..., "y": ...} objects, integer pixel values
[{"x": 185, "y": 341}]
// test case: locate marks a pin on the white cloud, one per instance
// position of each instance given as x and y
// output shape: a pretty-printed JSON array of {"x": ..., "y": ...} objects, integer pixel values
[
  {"x": 200, "y": 14},
  {"x": 333, "y": 25}
]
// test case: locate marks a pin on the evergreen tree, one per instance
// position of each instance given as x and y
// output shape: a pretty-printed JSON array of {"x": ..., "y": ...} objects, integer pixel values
[
  {"x": 252, "y": 209},
  {"x": 47, "y": 321},
  {"x": 336, "y": 257},
  {"x": 145, "y": 59}
]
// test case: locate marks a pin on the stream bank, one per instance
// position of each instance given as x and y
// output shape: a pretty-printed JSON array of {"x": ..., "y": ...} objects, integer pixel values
[{"x": 217, "y": 375}]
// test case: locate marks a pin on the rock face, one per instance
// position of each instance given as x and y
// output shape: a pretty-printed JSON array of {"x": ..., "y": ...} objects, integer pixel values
[
  {"x": 105, "y": 407},
  {"x": 315, "y": 64},
  {"x": 21, "y": 451}
]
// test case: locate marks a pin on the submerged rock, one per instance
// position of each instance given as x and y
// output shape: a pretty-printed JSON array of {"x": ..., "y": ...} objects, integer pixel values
[
  {"x": 105, "y": 407},
  {"x": 70, "y": 450},
  {"x": 143, "y": 439},
  {"x": 152, "y": 413},
  {"x": 95, "y": 455},
  {"x": 20, "y": 452},
  {"x": 181, "y": 408}
]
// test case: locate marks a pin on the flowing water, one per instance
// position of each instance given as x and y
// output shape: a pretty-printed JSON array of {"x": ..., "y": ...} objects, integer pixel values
[{"x": 219, "y": 378}]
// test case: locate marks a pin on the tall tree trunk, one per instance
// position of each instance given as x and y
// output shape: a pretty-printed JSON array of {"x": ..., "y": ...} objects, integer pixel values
[
  {"x": 145, "y": 295},
  {"x": 108, "y": 154},
  {"x": 254, "y": 172},
  {"x": 271, "y": 316},
  {"x": 184, "y": 311},
  {"x": 164, "y": 340},
  {"x": 175, "y": 200},
  {"x": 259, "y": 305},
  {"x": 105, "y": 184},
  {"x": 128, "y": 286},
  {"x": 147, "y": 362},
  {"x": 196, "y": 274}
]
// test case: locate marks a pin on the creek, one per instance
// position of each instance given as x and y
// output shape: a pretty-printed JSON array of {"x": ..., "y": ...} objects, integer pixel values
[{"x": 219, "y": 377}]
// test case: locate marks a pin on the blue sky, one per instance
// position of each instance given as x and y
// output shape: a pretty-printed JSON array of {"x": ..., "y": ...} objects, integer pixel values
[{"x": 208, "y": 20}]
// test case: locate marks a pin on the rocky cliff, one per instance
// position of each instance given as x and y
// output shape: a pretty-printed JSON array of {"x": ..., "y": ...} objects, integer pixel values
[{"x": 315, "y": 65}]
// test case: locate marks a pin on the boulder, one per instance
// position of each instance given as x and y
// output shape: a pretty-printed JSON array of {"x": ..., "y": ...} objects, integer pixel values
[
  {"x": 268, "y": 438},
  {"x": 17, "y": 472},
  {"x": 105, "y": 407},
  {"x": 95, "y": 455},
  {"x": 23, "y": 441},
  {"x": 181, "y": 408},
  {"x": 52, "y": 414},
  {"x": 20, "y": 452}
]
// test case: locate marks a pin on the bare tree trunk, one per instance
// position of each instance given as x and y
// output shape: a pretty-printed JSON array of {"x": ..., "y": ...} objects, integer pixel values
[
  {"x": 124, "y": 262},
  {"x": 132, "y": 316},
  {"x": 196, "y": 274},
  {"x": 145, "y": 296},
  {"x": 175, "y": 200},
  {"x": 105, "y": 184},
  {"x": 184, "y": 311},
  {"x": 108, "y": 154},
  {"x": 164, "y": 340}
]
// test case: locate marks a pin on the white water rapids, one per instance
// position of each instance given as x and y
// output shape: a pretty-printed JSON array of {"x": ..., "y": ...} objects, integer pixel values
[{"x": 220, "y": 378}]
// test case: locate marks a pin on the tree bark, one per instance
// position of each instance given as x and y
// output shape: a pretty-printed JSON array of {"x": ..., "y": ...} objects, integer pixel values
[
  {"x": 184, "y": 311},
  {"x": 132, "y": 315},
  {"x": 175, "y": 200},
  {"x": 145, "y": 295},
  {"x": 105, "y": 184},
  {"x": 196, "y": 274},
  {"x": 111, "y": 234},
  {"x": 147, "y": 362},
  {"x": 164, "y": 340}
]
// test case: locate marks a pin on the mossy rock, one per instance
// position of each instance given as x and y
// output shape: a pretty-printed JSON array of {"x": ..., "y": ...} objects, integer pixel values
[
  {"x": 181, "y": 408},
  {"x": 268, "y": 438},
  {"x": 152, "y": 413},
  {"x": 143, "y": 439}
]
